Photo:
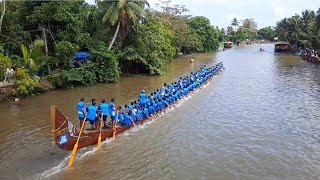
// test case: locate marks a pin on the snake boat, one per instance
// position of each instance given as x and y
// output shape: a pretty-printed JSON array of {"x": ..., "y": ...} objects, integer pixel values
[{"x": 65, "y": 134}]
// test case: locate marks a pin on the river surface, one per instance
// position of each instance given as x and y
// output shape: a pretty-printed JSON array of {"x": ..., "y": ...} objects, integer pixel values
[{"x": 259, "y": 119}]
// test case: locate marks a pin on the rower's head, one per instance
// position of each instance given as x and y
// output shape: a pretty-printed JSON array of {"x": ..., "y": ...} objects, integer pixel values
[
  {"x": 112, "y": 99},
  {"x": 143, "y": 91},
  {"x": 103, "y": 101},
  {"x": 82, "y": 99},
  {"x": 131, "y": 103},
  {"x": 125, "y": 106},
  {"x": 93, "y": 101}
]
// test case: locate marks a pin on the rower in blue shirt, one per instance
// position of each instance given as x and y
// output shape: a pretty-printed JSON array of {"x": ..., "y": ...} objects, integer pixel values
[
  {"x": 104, "y": 107},
  {"x": 112, "y": 111},
  {"x": 143, "y": 98},
  {"x": 92, "y": 114},
  {"x": 127, "y": 120},
  {"x": 81, "y": 110}
]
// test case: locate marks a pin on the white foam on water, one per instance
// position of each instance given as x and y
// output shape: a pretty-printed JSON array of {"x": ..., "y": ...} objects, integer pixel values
[{"x": 53, "y": 170}]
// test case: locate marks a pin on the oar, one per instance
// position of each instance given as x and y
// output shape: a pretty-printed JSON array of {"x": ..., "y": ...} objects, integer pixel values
[
  {"x": 114, "y": 127},
  {"x": 99, "y": 138},
  {"x": 75, "y": 148}
]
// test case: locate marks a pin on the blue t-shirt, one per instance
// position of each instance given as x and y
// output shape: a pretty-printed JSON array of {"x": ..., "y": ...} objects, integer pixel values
[
  {"x": 120, "y": 118},
  {"x": 104, "y": 107},
  {"x": 140, "y": 114},
  {"x": 146, "y": 111},
  {"x": 126, "y": 120},
  {"x": 150, "y": 109},
  {"x": 81, "y": 107},
  {"x": 134, "y": 117},
  {"x": 92, "y": 112},
  {"x": 143, "y": 98},
  {"x": 112, "y": 112}
]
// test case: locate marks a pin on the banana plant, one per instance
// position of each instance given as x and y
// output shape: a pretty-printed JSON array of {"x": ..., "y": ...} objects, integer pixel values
[{"x": 33, "y": 54}]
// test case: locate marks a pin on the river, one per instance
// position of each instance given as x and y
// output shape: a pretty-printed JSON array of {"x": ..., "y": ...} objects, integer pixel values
[{"x": 259, "y": 119}]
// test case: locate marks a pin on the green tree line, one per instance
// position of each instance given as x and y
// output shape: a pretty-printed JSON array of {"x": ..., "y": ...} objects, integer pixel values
[
  {"x": 301, "y": 30},
  {"x": 122, "y": 36}
]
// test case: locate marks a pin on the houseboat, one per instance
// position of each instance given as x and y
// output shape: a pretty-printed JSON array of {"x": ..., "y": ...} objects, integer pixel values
[
  {"x": 227, "y": 44},
  {"x": 282, "y": 47}
]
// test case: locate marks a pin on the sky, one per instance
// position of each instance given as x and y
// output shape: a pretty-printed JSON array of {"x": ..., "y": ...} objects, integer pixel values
[{"x": 264, "y": 12}]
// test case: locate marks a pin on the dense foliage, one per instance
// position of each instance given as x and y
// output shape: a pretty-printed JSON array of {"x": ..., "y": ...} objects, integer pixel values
[
  {"x": 41, "y": 38},
  {"x": 247, "y": 32},
  {"x": 301, "y": 30}
]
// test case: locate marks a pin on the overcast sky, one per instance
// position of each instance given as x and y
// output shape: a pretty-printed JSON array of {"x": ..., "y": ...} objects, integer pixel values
[{"x": 265, "y": 12}]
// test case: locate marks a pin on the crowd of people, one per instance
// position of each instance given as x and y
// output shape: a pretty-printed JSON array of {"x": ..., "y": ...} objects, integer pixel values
[
  {"x": 310, "y": 55},
  {"x": 147, "y": 105}
]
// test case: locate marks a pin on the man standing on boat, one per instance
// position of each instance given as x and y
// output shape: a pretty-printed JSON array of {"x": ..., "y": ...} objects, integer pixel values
[
  {"x": 104, "y": 107},
  {"x": 112, "y": 110},
  {"x": 143, "y": 98},
  {"x": 92, "y": 114},
  {"x": 81, "y": 110}
]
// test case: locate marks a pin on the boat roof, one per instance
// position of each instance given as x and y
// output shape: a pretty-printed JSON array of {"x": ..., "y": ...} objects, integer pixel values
[
  {"x": 282, "y": 42},
  {"x": 228, "y": 42}
]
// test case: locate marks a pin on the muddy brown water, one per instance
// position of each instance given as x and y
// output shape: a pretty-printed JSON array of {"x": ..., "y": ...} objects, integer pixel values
[{"x": 258, "y": 120}]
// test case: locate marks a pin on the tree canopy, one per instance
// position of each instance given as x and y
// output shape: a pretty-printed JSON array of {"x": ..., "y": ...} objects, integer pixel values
[{"x": 301, "y": 30}]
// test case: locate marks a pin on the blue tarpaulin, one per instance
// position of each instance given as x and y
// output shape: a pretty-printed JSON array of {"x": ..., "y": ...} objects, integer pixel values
[{"x": 81, "y": 56}]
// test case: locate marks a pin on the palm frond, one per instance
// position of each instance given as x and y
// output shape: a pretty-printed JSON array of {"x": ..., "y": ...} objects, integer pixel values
[{"x": 108, "y": 13}]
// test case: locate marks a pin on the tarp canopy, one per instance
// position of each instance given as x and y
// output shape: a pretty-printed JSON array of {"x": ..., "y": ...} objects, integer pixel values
[{"x": 81, "y": 56}]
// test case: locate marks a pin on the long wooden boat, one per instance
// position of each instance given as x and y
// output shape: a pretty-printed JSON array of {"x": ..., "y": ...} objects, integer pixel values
[{"x": 65, "y": 134}]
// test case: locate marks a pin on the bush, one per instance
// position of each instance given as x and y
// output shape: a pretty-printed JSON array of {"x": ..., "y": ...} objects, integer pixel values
[
  {"x": 25, "y": 84},
  {"x": 4, "y": 63},
  {"x": 102, "y": 68}
]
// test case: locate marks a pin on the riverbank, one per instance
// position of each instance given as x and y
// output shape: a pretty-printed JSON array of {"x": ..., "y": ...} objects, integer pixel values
[{"x": 51, "y": 83}]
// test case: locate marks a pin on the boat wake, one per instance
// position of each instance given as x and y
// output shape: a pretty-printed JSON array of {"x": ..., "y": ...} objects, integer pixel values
[{"x": 84, "y": 152}]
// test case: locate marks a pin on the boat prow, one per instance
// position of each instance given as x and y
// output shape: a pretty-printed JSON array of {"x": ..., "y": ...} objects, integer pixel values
[{"x": 65, "y": 134}]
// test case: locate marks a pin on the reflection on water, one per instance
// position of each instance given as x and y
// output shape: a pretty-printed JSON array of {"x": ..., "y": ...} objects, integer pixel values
[{"x": 258, "y": 120}]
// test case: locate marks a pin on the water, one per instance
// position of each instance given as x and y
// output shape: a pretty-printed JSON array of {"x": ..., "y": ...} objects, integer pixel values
[{"x": 258, "y": 120}]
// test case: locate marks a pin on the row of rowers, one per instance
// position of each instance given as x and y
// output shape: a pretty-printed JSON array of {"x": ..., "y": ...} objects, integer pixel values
[{"x": 146, "y": 106}]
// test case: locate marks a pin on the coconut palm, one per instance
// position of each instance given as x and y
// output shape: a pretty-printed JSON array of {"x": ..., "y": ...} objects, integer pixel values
[
  {"x": 124, "y": 13},
  {"x": 2, "y": 14},
  {"x": 318, "y": 19},
  {"x": 235, "y": 23},
  {"x": 308, "y": 18}
]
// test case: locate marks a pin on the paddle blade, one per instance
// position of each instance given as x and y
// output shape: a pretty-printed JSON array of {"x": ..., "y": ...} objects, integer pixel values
[
  {"x": 114, "y": 134},
  {"x": 99, "y": 141},
  {"x": 73, "y": 154}
]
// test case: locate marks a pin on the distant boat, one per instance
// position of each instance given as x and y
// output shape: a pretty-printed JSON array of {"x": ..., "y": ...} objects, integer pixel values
[
  {"x": 227, "y": 44},
  {"x": 282, "y": 47}
]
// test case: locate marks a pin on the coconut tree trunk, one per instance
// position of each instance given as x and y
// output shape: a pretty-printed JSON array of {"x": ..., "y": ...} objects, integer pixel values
[
  {"x": 46, "y": 48},
  {"x": 114, "y": 36},
  {"x": 2, "y": 15}
]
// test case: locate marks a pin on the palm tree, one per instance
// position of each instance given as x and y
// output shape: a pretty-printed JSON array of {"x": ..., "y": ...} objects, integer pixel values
[
  {"x": 123, "y": 13},
  {"x": 2, "y": 14},
  {"x": 235, "y": 23},
  {"x": 308, "y": 18},
  {"x": 318, "y": 19}
]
